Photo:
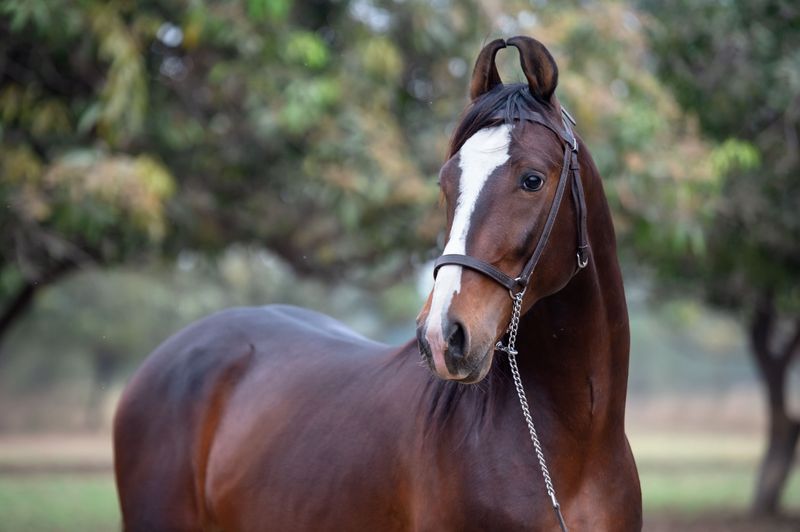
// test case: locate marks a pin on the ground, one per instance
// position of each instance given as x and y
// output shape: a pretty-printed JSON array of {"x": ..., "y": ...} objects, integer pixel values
[{"x": 692, "y": 481}]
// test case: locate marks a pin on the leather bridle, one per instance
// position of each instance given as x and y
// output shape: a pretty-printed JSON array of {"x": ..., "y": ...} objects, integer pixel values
[{"x": 569, "y": 168}]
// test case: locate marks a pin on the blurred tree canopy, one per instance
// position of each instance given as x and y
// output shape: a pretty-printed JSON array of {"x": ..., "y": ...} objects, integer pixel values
[
  {"x": 140, "y": 129},
  {"x": 132, "y": 129},
  {"x": 736, "y": 66}
]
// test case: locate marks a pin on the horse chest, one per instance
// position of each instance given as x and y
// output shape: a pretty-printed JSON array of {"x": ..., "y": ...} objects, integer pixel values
[{"x": 485, "y": 484}]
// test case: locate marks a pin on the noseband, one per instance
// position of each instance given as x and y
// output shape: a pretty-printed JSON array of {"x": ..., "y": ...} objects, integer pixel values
[{"x": 569, "y": 168}]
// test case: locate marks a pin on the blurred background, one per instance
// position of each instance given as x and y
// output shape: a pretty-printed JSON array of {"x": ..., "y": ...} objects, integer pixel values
[{"x": 161, "y": 160}]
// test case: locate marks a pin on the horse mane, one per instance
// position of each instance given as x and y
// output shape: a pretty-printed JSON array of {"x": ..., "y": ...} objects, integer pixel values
[
  {"x": 508, "y": 101},
  {"x": 443, "y": 398}
]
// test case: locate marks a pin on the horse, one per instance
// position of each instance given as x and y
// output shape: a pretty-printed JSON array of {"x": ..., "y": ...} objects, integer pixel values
[{"x": 280, "y": 418}]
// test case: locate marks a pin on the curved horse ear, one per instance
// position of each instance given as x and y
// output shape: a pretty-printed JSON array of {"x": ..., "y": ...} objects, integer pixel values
[
  {"x": 538, "y": 66},
  {"x": 485, "y": 76}
]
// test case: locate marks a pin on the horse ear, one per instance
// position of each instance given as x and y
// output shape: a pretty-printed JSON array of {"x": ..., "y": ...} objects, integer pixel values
[
  {"x": 538, "y": 66},
  {"x": 485, "y": 76}
]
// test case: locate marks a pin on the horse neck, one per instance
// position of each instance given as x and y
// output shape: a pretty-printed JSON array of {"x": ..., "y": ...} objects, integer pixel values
[{"x": 574, "y": 345}]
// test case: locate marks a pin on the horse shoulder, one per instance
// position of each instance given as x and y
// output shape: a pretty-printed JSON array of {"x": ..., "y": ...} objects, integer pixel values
[{"x": 306, "y": 442}]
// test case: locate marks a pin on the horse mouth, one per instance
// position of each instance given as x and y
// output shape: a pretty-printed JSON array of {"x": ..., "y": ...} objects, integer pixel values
[
  {"x": 473, "y": 378},
  {"x": 474, "y": 372},
  {"x": 479, "y": 371}
]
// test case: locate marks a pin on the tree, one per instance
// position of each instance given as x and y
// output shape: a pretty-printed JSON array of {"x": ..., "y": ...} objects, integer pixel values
[
  {"x": 139, "y": 129},
  {"x": 735, "y": 66},
  {"x": 311, "y": 128}
]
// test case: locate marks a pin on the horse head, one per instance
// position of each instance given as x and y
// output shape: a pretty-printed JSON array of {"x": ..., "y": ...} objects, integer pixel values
[{"x": 510, "y": 158}]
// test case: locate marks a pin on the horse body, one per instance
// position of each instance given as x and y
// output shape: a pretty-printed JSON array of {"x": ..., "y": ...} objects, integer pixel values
[
  {"x": 279, "y": 418},
  {"x": 338, "y": 433}
]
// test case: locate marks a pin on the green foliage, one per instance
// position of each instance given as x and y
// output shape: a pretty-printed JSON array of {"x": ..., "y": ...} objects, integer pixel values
[
  {"x": 123, "y": 96},
  {"x": 307, "y": 49},
  {"x": 137, "y": 129},
  {"x": 658, "y": 177},
  {"x": 272, "y": 10},
  {"x": 84, "y": 206},
  {"x": 142, "y": 129},
  {"x": 734, "y": 155},
  {"x": 736, "y": 67},
  {"x": 312, "y": 130},
  {"x": 316, "y": 130}
]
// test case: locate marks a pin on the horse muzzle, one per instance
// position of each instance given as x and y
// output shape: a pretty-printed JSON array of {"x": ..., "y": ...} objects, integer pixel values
[{"x": 451, "y": 355}]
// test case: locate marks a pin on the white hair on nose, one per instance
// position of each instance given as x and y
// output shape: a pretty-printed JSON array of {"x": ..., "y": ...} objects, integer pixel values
[{"x": 480, "y": 155}]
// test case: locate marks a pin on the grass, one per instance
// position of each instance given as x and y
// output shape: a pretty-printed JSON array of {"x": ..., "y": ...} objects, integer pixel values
[
  {"x": 58, "y": 503},
  {"x": 691, "y": 473},
  {"x": 57, "y": 484},
  {"x": 682, "y": 474}
]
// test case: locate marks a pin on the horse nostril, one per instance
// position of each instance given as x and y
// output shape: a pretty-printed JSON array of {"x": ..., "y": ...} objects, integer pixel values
[{"x": 456, "y": 340}]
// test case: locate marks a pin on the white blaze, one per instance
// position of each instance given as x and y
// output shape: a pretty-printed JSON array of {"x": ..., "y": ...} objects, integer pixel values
[{"x": 480, "y": 155}]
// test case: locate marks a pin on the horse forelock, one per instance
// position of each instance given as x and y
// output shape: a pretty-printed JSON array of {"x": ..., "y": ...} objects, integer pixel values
[{"x": 508, "y": 101}]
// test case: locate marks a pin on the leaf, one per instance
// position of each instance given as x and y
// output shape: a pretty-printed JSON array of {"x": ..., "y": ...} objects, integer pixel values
[
  {"x": 89, "y": 117},
  {"x": 307, "y": 49},
  {"x": 272, "y": 10}
]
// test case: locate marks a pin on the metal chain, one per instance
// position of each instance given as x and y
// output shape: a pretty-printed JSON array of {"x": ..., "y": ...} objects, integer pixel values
[{"x": 511, "y": 350}]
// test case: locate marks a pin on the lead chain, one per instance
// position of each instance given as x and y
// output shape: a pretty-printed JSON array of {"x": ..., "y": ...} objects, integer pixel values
[{"x": 511, "y": 350}]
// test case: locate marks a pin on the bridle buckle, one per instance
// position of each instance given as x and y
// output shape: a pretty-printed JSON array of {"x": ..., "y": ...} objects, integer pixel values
[{"x": 583, "y": 259}]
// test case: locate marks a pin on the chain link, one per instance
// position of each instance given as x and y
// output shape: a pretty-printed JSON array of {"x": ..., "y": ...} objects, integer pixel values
[{"x": 511, "y": 350}]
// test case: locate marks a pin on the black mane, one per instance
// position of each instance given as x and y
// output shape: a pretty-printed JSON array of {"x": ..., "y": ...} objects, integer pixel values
[{"x": 508, "y": 101}]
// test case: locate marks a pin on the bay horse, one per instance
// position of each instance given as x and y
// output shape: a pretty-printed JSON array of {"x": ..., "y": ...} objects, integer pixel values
[{"x": 279, "y": 418}]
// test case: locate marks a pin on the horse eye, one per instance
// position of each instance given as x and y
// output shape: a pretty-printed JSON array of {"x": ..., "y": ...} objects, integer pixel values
[{"x": 532, "y": 182}]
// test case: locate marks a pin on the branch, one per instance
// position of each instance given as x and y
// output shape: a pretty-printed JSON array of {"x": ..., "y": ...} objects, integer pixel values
[
  {"x": 18, "y": 304},
  {"x": 22, "y": 300}
]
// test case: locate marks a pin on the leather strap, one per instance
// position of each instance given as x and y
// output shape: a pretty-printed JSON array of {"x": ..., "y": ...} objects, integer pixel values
[
  {"x": 551, "y": 219},
  {"x": 580, "y": 209},
  {"x": 538, "y": 118},
  {"x": 479, "y": 266}
]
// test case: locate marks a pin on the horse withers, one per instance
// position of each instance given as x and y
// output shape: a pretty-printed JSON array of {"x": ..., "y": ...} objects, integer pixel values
[{"x": 279, "y": 418}]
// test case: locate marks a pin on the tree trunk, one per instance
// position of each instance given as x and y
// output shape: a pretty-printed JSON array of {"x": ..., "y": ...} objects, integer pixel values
[
  {"x": 777, "y": 462},
  {"x": 784, "y": 431}
]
